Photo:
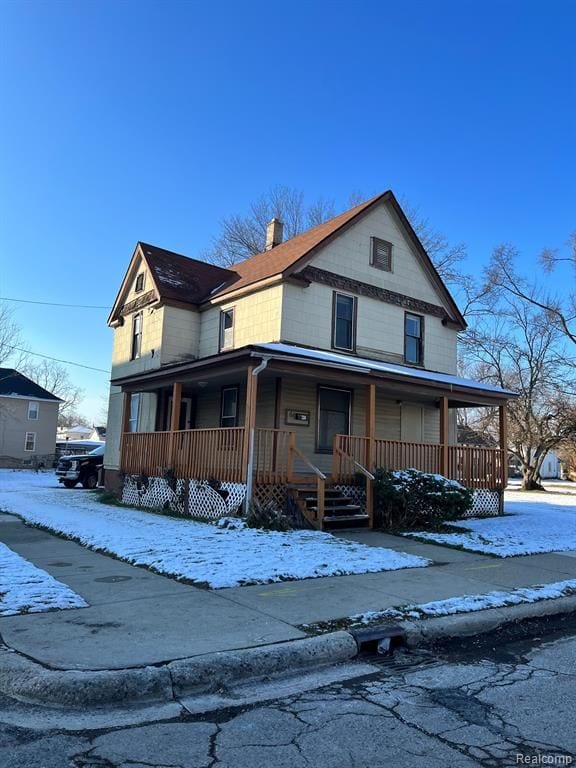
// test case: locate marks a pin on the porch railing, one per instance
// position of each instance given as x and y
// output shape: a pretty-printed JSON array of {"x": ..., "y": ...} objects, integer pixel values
[
  {"x": 473, "y": 467},
  {"x": 273, "y": 455},
  {"x": 193, "y": 453}
]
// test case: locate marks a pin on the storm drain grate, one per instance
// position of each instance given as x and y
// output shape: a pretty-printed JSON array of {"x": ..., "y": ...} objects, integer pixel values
[{"x": 379, "y": 641}]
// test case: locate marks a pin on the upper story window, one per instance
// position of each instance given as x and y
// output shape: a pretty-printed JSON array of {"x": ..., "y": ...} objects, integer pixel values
[
  {"x": 381, "y": 254},
  {"x": 33, "y": 409},
  {"x": 139, "y": 283},
  {"x": 227, "y": 329},
  {"x": 413, "y": 339},
  {"x": 344, "y": 321},
  {"x": 136, "y": 336},
  {"x": 30, "y": 441},
  {"x": 229, "y": 407}
]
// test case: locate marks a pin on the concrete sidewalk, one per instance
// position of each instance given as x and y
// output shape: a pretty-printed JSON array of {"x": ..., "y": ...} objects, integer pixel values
[{"x": 137, "y": 619}]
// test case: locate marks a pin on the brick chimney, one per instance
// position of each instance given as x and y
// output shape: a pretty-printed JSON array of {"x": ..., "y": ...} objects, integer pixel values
[{"x": 274, "y": 234}]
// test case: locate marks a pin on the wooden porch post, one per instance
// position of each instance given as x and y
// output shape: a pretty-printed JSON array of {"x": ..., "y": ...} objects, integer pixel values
[
  {"x": 503, "y": 424},
  {"x": 370, "y": 458},
  {"x": 249, "y": 423},
  {"x": 175, "y": 418},
  {"x": 444, "y": 434}
]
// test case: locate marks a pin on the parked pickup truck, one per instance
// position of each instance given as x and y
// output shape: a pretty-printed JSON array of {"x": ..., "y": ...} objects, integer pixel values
[{"x": 84, "y": 468}]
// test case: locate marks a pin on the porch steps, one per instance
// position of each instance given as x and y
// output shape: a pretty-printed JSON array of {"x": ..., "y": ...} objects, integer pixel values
[{"x": 339, "y": 510}]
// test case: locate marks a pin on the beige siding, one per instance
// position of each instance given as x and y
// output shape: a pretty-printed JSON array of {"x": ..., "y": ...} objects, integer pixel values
[
  {"x": 180, "y": 335},
  {"x": 14, "y": 424},
  {"x": 150, "y": 357},
  {"x": 349, "y": 255},
  {"x": 307, "y": 319},
  {"x": 113, "y": 429},
  {"x": 256, "y": 319},
  {"x": 388, "y": 418}
]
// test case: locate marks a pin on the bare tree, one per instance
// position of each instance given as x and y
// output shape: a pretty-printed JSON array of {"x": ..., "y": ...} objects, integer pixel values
[
  {"x": 516, "y": 347},
  {"x": 10, "y": 338},
  {"x": 245, "y": 235},
  {"x": 503, "y": 278},
  {"x": 56, "y": 379}
]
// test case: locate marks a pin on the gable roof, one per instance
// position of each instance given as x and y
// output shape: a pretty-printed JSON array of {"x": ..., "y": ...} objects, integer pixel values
[
  {"x": 176, "y": 278},
  {"x": 181, "y": 278},
  {"x": 185, "y": 280},
  {"x": 14, "y": 384}
]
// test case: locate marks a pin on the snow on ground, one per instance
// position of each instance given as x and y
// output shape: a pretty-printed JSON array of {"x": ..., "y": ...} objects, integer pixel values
[
  {"x": 471, "y": 603},
  {"x": 200, "y": 552},
  {"x": 534, "y": 522},
  {"x": 27, "y": 589}
]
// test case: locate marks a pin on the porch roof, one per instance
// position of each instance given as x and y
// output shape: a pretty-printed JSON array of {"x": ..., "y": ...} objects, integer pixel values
[
  {"x": 290, "y": 357},
  {"x": 322, "y": 357}
]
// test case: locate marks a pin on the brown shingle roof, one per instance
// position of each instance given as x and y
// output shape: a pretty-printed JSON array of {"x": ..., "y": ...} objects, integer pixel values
[
  {"x": 277, "y": 260},
  {"x": 180, "y": 278}
]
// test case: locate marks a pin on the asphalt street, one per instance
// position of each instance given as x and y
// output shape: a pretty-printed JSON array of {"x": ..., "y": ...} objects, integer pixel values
[{"x": 502, "y": 700}]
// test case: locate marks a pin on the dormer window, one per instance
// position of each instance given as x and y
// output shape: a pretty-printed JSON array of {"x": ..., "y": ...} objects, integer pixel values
[
  {"x": 381, "y": 254},
  {"x": 139, "y": 287},
  {"x": 226, "y": 329}
]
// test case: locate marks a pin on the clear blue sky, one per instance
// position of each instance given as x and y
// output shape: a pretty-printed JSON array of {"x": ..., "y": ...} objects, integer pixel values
[{"x": 152, "y": 120}]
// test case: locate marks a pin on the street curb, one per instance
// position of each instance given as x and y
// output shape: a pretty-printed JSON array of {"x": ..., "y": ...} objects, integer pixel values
[
  {"x": 28, "y": 681},
  {"x": 421, "y": 631}
]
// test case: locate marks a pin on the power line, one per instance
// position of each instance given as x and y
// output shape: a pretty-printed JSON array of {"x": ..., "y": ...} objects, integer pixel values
[
  {"x": 53, "y": 304},
  {"x": 57, "y": 359}
]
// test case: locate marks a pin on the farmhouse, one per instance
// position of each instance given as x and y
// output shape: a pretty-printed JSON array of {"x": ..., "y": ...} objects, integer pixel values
[{"x": 294, "y": 373}]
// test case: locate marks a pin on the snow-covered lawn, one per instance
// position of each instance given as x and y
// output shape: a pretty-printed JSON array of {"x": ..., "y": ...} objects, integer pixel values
[
  {"x": 27, "y": 589},
  {"x": 200, "y": 552},
  {"x": 463, "y": 604},
  {"x": 534, "y": 522}
]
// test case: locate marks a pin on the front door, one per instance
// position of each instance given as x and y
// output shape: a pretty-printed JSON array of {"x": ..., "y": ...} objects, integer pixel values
[
  {"x": 333, "y": 416},
  {"x": 186, "y": 413}
]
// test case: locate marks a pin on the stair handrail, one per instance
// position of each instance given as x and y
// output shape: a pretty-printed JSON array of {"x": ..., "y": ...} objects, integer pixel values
[
  {"x": 307, "y": 461},
  {"x": 320, "y": 483},
  {"x": 369, "y": 487},
  {"x": 361, "y": 467}
]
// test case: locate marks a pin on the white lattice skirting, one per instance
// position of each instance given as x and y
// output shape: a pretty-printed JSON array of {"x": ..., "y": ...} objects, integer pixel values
[
  {"x": 196, "y": 498},
  {"x": 485, "y": 503}
]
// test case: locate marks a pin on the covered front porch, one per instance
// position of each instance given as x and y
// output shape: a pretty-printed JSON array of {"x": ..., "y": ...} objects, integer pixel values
[{"x": 268, "y": 423}]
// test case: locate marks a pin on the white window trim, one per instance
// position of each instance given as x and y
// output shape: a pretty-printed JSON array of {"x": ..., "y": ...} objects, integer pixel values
[
  {"x": 226, "y": 342},
  {"x": 30, "y": 450},
  {"x": 30, "y": 404}
]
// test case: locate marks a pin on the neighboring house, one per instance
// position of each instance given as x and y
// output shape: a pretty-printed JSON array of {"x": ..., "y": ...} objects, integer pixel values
[
  {"x": 28, "y": 419},
  {"x": 81, "y": 432},
  {"x": 306, "y": 366},
  {"x": 551, "y": 467}
]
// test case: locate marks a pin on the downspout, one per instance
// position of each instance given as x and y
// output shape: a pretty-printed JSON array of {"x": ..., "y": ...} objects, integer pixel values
[{"x": 250, "y": 467}]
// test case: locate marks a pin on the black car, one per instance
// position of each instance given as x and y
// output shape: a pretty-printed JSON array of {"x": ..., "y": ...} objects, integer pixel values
[{"x": 84, "y": 468}]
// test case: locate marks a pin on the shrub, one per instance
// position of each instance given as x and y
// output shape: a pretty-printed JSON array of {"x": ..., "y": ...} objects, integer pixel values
[
  {"x": 266, "y": 517},
  {"x": 411, "y": 499}
]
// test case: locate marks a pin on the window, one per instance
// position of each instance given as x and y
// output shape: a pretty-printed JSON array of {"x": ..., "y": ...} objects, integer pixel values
[
  {"x": 226, "y": 329},
  {"x": 344, "y": 322},
  {"x": 134, "y": 411},
  {"x": 333, "y": 416},
  {"x": 381, "y": 254},
  {"x": 229, "y": 407},
  {"x": 136, "y": 336},
  {"x": 33, "y": 409},
  {"x": 413, "y": 335},
  {"x": 30, "y": 442},
  {"x": 139, "y": 283}
]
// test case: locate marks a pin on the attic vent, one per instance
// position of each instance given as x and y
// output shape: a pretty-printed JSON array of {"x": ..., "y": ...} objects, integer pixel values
[{"x": 381, "y": 256}]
